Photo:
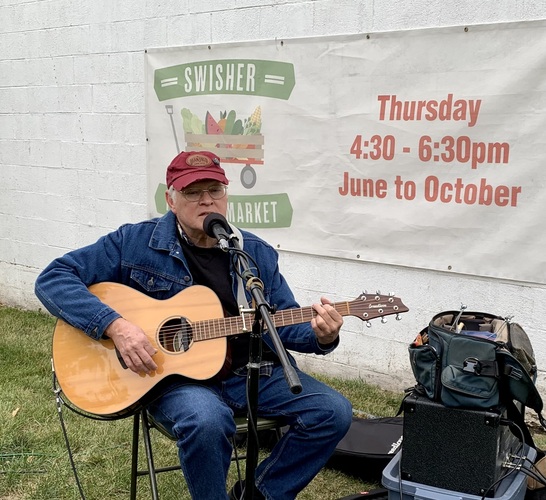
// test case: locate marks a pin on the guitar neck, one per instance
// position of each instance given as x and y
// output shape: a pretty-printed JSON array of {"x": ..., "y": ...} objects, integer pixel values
[
  {"x": 365, "y": 307},
  {"x": 235, "y": 325}
]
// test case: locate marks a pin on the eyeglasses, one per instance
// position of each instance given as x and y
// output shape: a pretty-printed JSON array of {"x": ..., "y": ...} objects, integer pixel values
[{"x": 215, "y": 192}]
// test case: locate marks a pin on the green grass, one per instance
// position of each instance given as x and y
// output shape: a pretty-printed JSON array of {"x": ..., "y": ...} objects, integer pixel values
[{"x": 34, "y": 462}]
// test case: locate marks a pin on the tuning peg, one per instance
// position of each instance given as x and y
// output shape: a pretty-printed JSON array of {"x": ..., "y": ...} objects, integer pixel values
[
  {"x": 378, "y": 292},
  {"x": 368, "y": 324},
  {"x": 383, "y": 319},
  {"x": 398, "y": 317}
]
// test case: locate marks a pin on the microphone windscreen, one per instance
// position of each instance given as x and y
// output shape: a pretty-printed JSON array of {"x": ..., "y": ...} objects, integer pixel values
[{"x": 212, "y": 220}]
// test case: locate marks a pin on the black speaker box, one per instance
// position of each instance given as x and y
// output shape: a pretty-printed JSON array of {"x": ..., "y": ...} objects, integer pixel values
[{"x": 455, "y": 449}]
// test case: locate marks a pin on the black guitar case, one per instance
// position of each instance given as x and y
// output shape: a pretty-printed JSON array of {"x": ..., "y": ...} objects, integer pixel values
[{"x": 368, "y": 447}]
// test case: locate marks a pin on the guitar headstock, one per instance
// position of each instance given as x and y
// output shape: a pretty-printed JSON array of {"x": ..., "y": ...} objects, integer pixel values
[{"x": 368, "y": 306}]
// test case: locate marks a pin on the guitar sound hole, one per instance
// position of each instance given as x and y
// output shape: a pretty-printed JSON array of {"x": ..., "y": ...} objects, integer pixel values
[{"x": 176, "y": 335}]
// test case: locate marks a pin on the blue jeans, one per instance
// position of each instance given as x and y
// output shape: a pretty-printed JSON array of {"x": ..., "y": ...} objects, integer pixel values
[{"x": 200, "y": 416}]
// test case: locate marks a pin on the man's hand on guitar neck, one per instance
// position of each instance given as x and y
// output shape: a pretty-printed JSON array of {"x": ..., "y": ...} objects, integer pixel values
[
  {"x": 327, "y": 322},
  {"x": 133, "y": 345}
]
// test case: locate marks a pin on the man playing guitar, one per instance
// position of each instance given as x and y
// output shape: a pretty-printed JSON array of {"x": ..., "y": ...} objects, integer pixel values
[{"x": 166, "y": 256}]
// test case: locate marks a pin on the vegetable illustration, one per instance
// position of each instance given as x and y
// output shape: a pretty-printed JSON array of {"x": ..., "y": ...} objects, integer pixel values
[
  {"x": 191, "y": 123},
  {"x": 228, "y": 124},
  {"x": 211, "y": 125},
  {"x": 230, "y": 121},
  {"x": 222, "y": 121},
  {"x": 253, "y": 124}
]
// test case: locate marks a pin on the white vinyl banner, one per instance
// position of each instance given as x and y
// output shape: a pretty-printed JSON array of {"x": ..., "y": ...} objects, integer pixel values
[{"x": 420, "y": 148}]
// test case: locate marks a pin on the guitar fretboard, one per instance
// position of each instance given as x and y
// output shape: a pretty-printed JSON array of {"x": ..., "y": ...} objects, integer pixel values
[{"x": 225, "y": 327}]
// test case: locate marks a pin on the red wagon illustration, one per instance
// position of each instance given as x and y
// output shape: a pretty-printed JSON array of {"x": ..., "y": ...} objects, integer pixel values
[
  {"x": 247, "y": 150},
  {"x": 232, "y": 139}
]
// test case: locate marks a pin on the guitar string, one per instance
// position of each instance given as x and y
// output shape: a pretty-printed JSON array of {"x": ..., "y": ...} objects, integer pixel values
[
  {"x": 223, "y": 324},
  {"x": 218, "y": 326}
]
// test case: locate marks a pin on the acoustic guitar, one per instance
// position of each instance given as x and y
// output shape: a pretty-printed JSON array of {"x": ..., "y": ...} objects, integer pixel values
[{"x": 189, "y": 333}]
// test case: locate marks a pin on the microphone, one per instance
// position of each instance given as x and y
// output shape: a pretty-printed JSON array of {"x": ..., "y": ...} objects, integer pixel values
[{"x": 216, "y": 226}]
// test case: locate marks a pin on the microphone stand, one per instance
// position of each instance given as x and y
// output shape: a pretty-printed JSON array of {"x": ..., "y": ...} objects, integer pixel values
[{"x": 262, "y": 315}]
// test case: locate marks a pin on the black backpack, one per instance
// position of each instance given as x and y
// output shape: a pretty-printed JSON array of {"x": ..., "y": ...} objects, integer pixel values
[{"x": 477, "y": 360}]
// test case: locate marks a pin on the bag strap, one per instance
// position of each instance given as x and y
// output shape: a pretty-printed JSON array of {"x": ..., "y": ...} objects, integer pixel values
[
  {"x": 517, "y": 417},
  {"x": 518, "y": 383}
]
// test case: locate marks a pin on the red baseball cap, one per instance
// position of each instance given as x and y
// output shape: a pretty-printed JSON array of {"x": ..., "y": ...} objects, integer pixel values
[{"x": 192, "y": 166}]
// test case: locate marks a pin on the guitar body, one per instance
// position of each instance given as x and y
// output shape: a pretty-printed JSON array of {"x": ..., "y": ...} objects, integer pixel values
[
  {"x": 92, "y": 376},
  {"x": 189, "y": 333}
]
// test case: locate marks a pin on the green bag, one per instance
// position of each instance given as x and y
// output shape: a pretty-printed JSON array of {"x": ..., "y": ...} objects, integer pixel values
[{"x": 475, "y": 360}]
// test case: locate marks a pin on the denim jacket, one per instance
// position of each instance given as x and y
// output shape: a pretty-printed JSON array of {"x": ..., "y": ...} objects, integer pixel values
[{"x": 159, "y": 270}]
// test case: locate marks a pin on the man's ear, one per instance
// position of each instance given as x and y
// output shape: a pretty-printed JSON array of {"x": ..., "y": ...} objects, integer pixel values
[{"x": 169, "y": 200}]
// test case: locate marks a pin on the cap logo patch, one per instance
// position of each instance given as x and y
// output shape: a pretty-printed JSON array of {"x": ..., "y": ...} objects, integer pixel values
[{"x": 198, "y": 160}]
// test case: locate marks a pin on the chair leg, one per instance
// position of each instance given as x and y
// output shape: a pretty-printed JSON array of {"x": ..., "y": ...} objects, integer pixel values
[
  {"x": 149, "y": 455},
  {"x": 151, "y": 472},
  {"x": 134, "y": 460}
]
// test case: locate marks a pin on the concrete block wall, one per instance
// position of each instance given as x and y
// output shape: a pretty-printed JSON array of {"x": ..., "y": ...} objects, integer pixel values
[{"x": 73, "y": 147}]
